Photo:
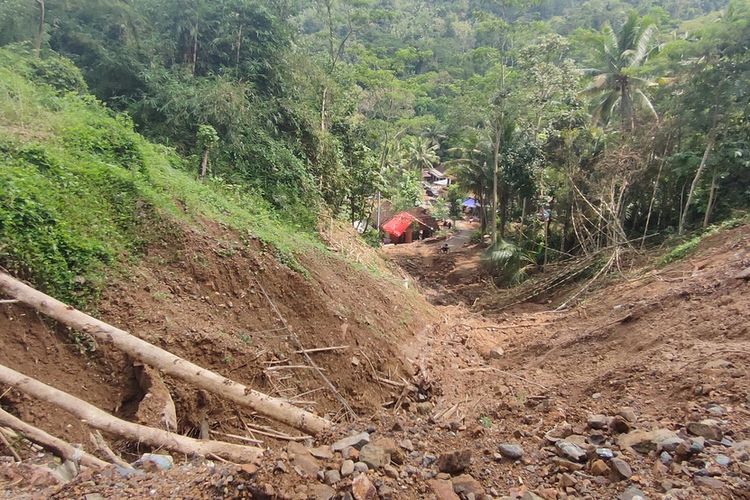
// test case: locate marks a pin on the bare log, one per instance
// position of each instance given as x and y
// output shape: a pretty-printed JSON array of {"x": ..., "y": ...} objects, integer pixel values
[
  {"x": 103, "y": 421},
  {"x": 56, "y": 445},
  {"x": 165, "y": 361}
]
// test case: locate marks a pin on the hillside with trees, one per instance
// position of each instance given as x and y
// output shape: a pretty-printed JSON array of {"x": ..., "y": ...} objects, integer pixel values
[{"x": 213, "y": 180}]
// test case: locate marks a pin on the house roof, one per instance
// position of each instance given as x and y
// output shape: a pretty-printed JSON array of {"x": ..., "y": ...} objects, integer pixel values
[{"x": 398, "y": 224}]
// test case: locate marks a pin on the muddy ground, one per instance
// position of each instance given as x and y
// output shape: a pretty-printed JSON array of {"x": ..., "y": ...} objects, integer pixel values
[{"x": 641, "y": 389}]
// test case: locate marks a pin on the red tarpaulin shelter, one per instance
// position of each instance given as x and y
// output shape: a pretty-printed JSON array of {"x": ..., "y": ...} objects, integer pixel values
[{"x": 398, "y": 224}]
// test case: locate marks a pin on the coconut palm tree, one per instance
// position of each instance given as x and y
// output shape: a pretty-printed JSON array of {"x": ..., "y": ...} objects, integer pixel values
[
  {"x": 619, "y": 91},
  {"x": 420, "y": 153}
]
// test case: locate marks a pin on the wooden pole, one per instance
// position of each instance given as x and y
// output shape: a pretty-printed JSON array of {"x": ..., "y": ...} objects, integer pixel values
[
  {"x": 103, "y": 421},
  {"x": 56, "y": 445},
  {"x": 163, "y": 360}
]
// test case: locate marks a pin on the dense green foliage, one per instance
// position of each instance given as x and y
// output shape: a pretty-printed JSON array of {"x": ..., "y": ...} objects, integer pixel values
[
  {"x": 82, "y": 191},
  {"x": 621, "y": 119}
]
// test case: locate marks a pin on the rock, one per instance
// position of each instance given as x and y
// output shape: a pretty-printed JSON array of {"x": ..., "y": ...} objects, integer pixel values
[
  {"x": 496, "y": 353},
  {"x": 465, "y": 485},
  {"x": 645, "y": 441},
  {"x": 605, "y": 453},
  {"x": 600, "y": 468},
  {"x": 305, "y": 464},
  {"x": 511, "y": 451},
  {"x": 723, "y": 460},
  {"x": 716, "y": 410},
  {"x": 154, "y": 461},
  {"x": 692, "y": 447},
  {"x": 530, "y": 495},
  {"x": 621, "y": 468},
  {"x": 619, "y": 425},
  {"x": 709, "y": 482},
  {"x": 406, "y": 444},
  {"x": 390, "y": 447},
  {"x": 350, "y": 453},
  {"x": 280, "y": 467},
  {"x": 322, "y": 452},
  {"x": 357, "y": 441},
  {"x": 454, "y": 462},
  {"x": 571, "y": 451},
  {"x": 670, "y": 444},
  {"x": 443, "y": 489},
  {"x": 596, "y": 395},
  {"x": 321, "y": 492},
  {"x": 93, "y": 496},
  {"x": 708, "y": 429},
  {"x": 68, "y": 470},
  {"x": 347, "y": 468},
  {"x": 628, "y": 414},
  {"x": 386, "y": 492},
  {"x": 560, "y": 431},
  {"x": 566, "y": 465},
  {"x": 374, "y": 456},
  {"x": 567, "y": 480},
  {"x": 665, "y": 458},
  {"x": 332, "y": 477},
  {"x": 597, "y": 421},
  {"x": 363, "y": 489},
  {"x": 632, "y": 493},
  {"x": 360, "y": 467}
]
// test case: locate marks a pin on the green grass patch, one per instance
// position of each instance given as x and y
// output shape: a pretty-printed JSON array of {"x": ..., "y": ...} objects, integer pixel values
[{"x": 81, "y": 192}]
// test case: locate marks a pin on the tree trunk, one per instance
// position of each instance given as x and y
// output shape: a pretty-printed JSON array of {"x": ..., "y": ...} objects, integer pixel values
[
  {"x": 204, "y": 164},
  {"x": 59, "y": 447},
  {"x": 495, "y": 165},
  {"x": 653, "y": 195},
  {"x": 696, "y": 179},
  {"x": 523, "y": 220},
  {"x": 195, "y": 50},
  {"x": 711, "y": 197},
  {"x": 103, "y": 421},
  {"x": 40, "y": 30},
  {"x": 159, "y": 358}
]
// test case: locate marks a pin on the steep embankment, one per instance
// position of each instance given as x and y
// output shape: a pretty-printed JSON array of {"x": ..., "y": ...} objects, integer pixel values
[{"x": 95, "y": 215}]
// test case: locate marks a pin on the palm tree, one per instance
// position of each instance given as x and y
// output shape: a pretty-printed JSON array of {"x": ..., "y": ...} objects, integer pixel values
[
  {"x": 618, "y": 89},
  {"x": 421, "y": 154}
]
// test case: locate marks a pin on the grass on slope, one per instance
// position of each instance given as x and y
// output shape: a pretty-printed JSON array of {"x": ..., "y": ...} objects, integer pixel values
[{"x": 80, "y": 190}]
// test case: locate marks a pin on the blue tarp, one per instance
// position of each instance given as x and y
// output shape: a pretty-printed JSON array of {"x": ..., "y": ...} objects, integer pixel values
[{"x": 470, "y": 203}]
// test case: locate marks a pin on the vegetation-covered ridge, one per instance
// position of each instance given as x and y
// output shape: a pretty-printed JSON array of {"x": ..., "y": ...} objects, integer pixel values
[{"x": 82, "y": 192}]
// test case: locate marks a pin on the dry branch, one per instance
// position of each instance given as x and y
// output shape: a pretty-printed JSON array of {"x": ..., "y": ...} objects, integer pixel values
[
  {"x": 102, "y": 447},
  {"x": 103, "y": 421},
  {"x": 56, "y": 445},
  {"x": 164, "y": 360}
]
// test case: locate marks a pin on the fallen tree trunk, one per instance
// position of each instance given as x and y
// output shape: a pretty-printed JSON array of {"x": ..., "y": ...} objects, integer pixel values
[
  {"x": 170, "y": 364},
  {"x": 103, "y": 421},
  {"x": 57, "y": 446}
]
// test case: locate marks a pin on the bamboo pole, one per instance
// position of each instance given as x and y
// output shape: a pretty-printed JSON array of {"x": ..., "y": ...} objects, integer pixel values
[
  {"x": 103, "y": 421},
  {"x": 170, "y": 364}
]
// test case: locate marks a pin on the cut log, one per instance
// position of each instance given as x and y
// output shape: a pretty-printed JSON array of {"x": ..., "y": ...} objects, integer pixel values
[
  {"x": 59, "y": 447},
  {"x": 103, "y": 421},
  {"x": 165, "y": 361}
]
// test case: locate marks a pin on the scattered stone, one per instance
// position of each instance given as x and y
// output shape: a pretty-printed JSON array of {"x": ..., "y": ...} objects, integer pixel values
[
  {"x": 597, "y": 421},
  {"x": 347, "y": 468},
  {"x": 715, "y": 410},
  {"x": 632, "y": 493},
  {"x": 566, "y": 465},
  {"x": 599, "y": 468},
  {"x": 428, "y": 459},
  {"x": 321, "y": 492},
  {"x": 670, "y": 444},
  {"x": 530, "y": 495},
  {"x": 374, "y": 456},
  {"x": 511, "y": 451},
  {"x": 332, "y": 477},
  {"x": 596, "y": 395},
  {"x": 454, "y": 462},
  {"x": 68, "y": 470},
  {"x": 465, "y": 485},
  {"x": 391, "y": 448},
  {"x": 628, "y": 414},
  {"x": 622, "y": 468},
  {"x": 391, "y": 471},
  {"x": 605, "y": 453},
  {"x": 322, "y": 452},
  {"x": 443, "y": 489},
  {"x": 154, "y": 462},
  {"x": 619, "y": 425},
  {"x": 361, "y": 467},
  {"x": 645, "y": 441},
  {"x": 723, "y": 460},
  {"x": 567, "y": 480},
  {"x": 708, "y": 429},
  {"x": 560, "y": 431},
  {"x": 727, "y": 441},
  {"x": 302, "y": 461},
  {"x": 709, "y": 482},
  {"x": 93, "y": 496},
  {"x": 665, "y": 458},
  {"x": 363, "y": 489},
  {"x": 571, "y": 451},
  {"x": 406, "y": 444},
  {"x": 496, "y": 353},
  {"x": 280, "y": 467},
  {"x": 357, "y": 441}
]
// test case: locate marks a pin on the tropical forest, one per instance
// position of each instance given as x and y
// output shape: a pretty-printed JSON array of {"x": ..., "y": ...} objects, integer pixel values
[{"x": 375, "y": 249}]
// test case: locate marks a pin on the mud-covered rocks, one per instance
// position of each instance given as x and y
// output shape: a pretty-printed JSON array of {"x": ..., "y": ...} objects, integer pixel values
[
  {"x": 511, "y": 451},
  {"x": 708, "y": 429},
  {"x": 454, "y": 462},
  {"x": 363, "y": 489},
  {"x": 374, "y": 456},
  {"x": 356, "y": 441}
]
